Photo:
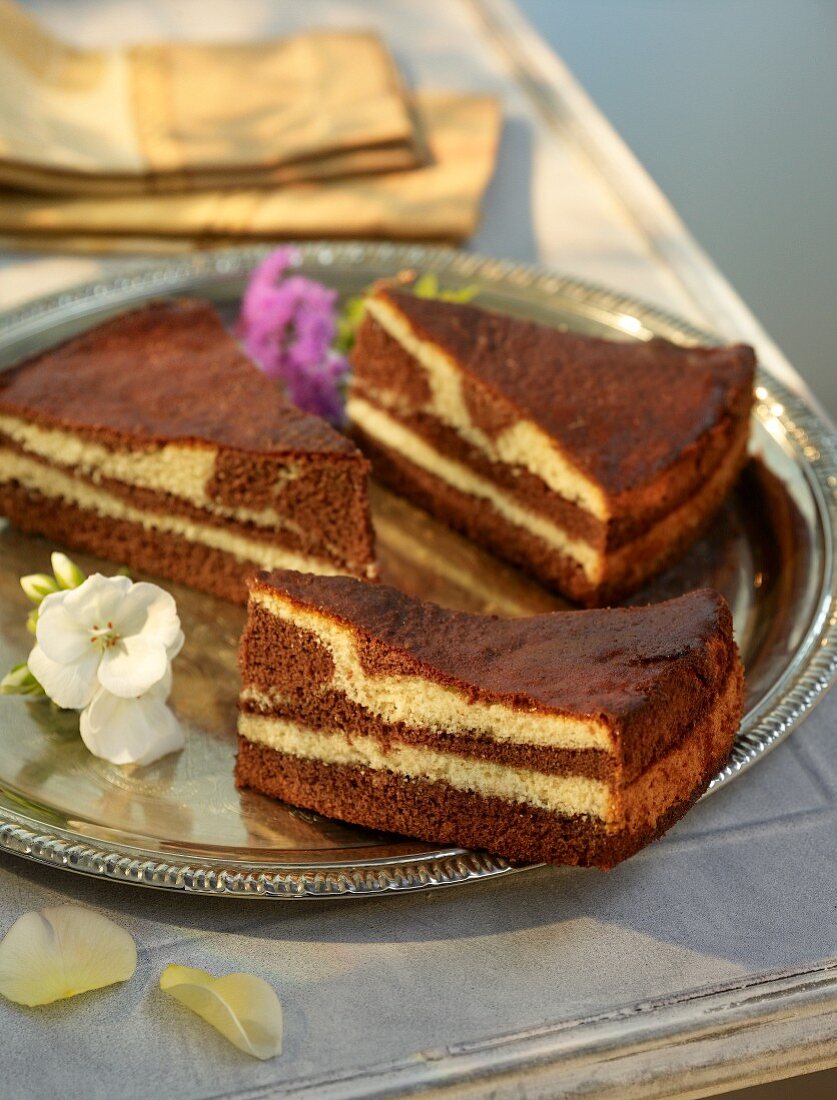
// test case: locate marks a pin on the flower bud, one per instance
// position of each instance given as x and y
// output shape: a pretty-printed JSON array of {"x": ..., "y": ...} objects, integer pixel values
[
  {"x": 38, "y": 586},
  {"x": 67, "y": 573},
  {"x": 20, "y": 681}
]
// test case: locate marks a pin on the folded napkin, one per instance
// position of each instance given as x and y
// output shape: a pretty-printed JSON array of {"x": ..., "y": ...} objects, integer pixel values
[
  {"x": 438, "y": 201},
  {"x": 181, "y": 116}
]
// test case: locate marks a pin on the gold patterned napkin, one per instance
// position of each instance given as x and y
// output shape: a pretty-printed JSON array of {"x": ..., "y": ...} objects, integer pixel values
[
  {"x": 439, "y": 201},
  {"x": 180, "y": 116}
]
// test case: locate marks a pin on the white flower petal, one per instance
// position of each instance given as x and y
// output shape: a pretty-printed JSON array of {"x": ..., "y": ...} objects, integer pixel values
[
  {"x": 129, "y": 731},
  {"x": 162, "y": 689},
  {"x": 70, "y": 686},
  {"x": 62, "y": 951},
  {"x": 176, "y": 646},
  {"x": 151, "y": 611},
  {"x": 60, "y": 635},
  {"x": 244, "y": 1008},
  {"x": 132, "y": 666},
  {"x": 53, "y": 599},
  {"x": 95, "y": 602}
]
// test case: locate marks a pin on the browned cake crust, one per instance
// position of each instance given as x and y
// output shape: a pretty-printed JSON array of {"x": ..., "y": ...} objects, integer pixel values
[
  {"x": 383, "y": 364},
  {"x": 630, "y": 664},
  {"x": 168, "y": 375},
  {"x": 166, "y": 371},
  {"x": 660, "y": 430},
  {"x": 664, "y": 683},
  {"x": 623, "y": 412}
]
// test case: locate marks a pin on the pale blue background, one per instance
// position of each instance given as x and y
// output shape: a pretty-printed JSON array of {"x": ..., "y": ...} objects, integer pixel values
[{"x": 731, "y": 106}]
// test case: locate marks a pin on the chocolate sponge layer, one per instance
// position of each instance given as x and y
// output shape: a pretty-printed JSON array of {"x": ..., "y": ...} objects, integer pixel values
[
  {"x": 623, "y": 412},
  {"x": 442, "y": 814},
  {"x": 385, "y": 368},
  {"x": 590, "y": 463},
  {"x": 652, "y": 696},
  {"x": 157, "y": 552},
  {"x": 623, "y": 571},
  {"x": 159, "y": 409}
]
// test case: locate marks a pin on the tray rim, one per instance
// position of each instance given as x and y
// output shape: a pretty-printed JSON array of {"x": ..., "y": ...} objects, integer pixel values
[{"x": 806, "y": 679}]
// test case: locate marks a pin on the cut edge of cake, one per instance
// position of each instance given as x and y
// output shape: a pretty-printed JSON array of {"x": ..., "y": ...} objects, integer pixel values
[
  {"x": 349, "y": 710},
  {"x": 203, "y": 474},
  {"x": 459, "y": 446}
]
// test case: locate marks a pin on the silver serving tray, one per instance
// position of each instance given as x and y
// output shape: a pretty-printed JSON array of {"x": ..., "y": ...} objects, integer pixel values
[{"x": 181, "y": 825}]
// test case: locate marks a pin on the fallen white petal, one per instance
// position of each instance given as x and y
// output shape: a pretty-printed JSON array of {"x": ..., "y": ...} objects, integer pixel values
[
  {"x": 130, "y": 731},
  {"x": 59, "y": 952},
  {"x": 71, "y": 686},
  {"x": 244, "y": 1008}
]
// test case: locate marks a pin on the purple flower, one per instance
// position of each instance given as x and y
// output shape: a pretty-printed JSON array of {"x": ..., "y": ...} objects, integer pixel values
[{"x": 288, "y": 325}]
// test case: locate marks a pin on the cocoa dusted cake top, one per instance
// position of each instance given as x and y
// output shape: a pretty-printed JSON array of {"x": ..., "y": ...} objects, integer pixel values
[
  {"x": 622, "y": 411},
  {"x": 604, "y": 661},
  {"x": 169, "y": 370}
]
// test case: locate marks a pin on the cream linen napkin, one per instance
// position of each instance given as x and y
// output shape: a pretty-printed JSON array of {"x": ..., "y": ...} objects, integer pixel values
[
  {"x": 182, "y": 116},
  {"x": 439, "y": 201}
]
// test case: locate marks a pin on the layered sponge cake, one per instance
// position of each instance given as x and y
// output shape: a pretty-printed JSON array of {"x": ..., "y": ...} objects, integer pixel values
[
  {"x": 590, "y": 463},
  {"x": 152, "y": 440},
  {"x": 569, "y": 737}
]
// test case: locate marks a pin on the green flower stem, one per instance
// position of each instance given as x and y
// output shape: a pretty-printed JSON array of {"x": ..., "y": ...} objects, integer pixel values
[{"x": 426, "y": 286}]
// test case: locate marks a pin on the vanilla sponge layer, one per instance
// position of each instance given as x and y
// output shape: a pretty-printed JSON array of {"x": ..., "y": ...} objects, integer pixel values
[
  {"x": 560, "y": 794},
  {"x": 523, "y": 444},
  {"x": 381, "y": 426},
  {"x": 181, "y": 470},
  {"x": 50, "y": 482},
  {"x": 419, "y": 702}
]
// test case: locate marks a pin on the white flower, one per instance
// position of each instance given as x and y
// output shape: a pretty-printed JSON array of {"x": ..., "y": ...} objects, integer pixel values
[
  {"x": 244, "y": 1008},
  {"x": 105, "y": 647},
  {"x": 131, "y": 731},
  {"x": 107, "y": 633},
  {"x": 61, "y": 951}
]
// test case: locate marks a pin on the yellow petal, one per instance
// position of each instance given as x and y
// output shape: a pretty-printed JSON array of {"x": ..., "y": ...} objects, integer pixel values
[
  {"x": 59, "y": 952},
  {"x": 244, "y": 1008}
]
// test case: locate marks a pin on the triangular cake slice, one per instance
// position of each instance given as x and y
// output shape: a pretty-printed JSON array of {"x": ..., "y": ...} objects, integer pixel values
[
  {"x": 592, "y": 463},
  {"x": 154, "y": 441},
  {"x": 570, "y": 737}
]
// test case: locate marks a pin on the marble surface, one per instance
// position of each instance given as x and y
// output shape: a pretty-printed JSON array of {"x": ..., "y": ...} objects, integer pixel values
[{"x": 743, "y": 887}]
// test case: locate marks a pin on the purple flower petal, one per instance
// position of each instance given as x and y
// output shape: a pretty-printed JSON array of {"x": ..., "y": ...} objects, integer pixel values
[{"x": 288, "y": 325}]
